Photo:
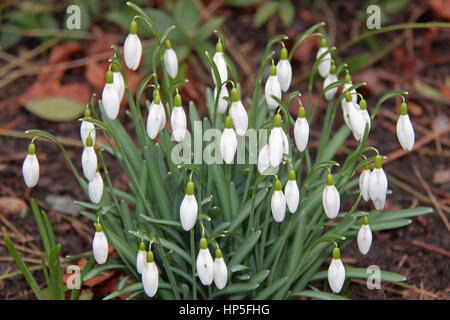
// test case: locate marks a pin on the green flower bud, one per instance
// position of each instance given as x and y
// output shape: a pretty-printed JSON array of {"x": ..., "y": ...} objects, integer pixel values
[
  {"x": 284, "y": 54},
  {"x": 109, "y": 76},
  {"x": 378, "y": 162},
  {"x": 156, "y": 97},
  {"x": 365, "y": 220},
  {"x": 31, "y": 148},
  {"x": 301, "y": 112},
  {"x": 332, "y": 68},
  {"x": 348, "y": 96},
  {"x": 190, "y": 188},
  {"x": 133, "y": 27},
  {"x": 292, "y": 175},
  {"x": 87, "y": 113},
  {"x": 277, "y": 120},
  {"x": 203, "y": 243},
  {"x": 403, "y": 109},
  {"x": 219, "y": 46},
  {"x": 142, "y": 246},
  {"x": 336, "y": 253},
  {"x": 228, "y": 122},
  {"x": 277, "y": 185},
  {"x": 273, "y": 70},
  {"x": 323, "y": 42},
  {"x": 234, "y": 95},
  {"x": 363, "y": 104},
  {"x": 168, "y": 44},
  {"x": 177, "y": 100},
  {"x": 150, "y": 257},
  {"x": 218, "y": 253},
  {"x": 329, "y": 179},
  {"x": 89, "y": 141},
  {"x": 115, "y": 67},
  {"x": 98, "y": 227}
]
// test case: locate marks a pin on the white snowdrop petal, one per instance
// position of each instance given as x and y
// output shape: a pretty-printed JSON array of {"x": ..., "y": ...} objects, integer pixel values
[
  {"x": 221, "y": 64},
  {"x": 278, "y": 206},
  {"x": 178, "y": 123},
  {"x": 364, "y": 239},
  {"x": 272, "y": 88},
  {"x": 263, "y": 159},
  {"x": 325, "y": 63},
  {"x": 86, "y": 129},
  {"x": 150, "y": 279},
  {"x": 276, "y": 147},
  {"x": 110, "y": 100},
  {"x": 89, "y": 162},
  {"x": 336, "y": 275},
  {"x": 220, "y": 273},
  {"x": 228, "y": 145},
  {"x": 100, "y": 247},
  {"x": 301, "y": 133},
  {"x": 378, "y": 187},
  {"x": 405, "y": 132},
  {"x": 240, "y": 117},
  {"x": 284, "y": 74},
  {"x": 205, "y": 267},
  {"x": 132, "y": 51},
  {"x": 357, "y": 121},
  {"x": 330, "y": 93},
  {"x": 30, "y": 170},
  {"x": 171, "y": 62},
  {"x": 141, "y": 261},
  {"x": 119, "y": 84},
  {"x": 292, "y": 195},
  {"x": 222, "y": 104},
  {"x": 331, "y": 201},
  {"x": 95, "y": 188},
  {"x": 364, "y": 184},
  {"x": 188, "y": 212}
]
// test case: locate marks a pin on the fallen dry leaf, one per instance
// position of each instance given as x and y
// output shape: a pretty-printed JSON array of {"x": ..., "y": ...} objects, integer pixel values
[{"x": 12, "y": 205}]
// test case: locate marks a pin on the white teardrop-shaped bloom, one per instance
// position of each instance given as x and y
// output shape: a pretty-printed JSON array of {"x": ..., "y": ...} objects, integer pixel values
[
  {"x": 30, "y": 170},
  {"x": 364, "y": 184},
  {"x": 222, "y": 104},
  {"x": 171, "y": 62},
  {"x": 366, "y": 117},
  {"x": 178, "y": 123},
  {"x": 89, "y": 162},
  {"x": 285, "y": 145},
  {"x": 220, "y": 273},
  {"x": 100, "y": 247},
  {"x": 205, "y": 267},
  {"x": 292, "y": 195},
  {"x": 336, "y": 275},
  {"x": 110, "y": 100},
  {"x": 356, "y": 119},
  {"x": 150, "y": 279},
  {"x": 240, "y": 117},
  {"x": 221, "y": 65},
  {"x": 378, "y": 184},
  {"x": 132, "y": 49},
  {"x": 405, "y": 132},
  {"x": 325, "y": 63},
  {"x": 284, "y": 74},
  {"x": 364, "y": 239},
  {"x": 228, "y": 145},
  {"x": 278, "y": 205},
  {"x": 87, "y": 128},
  {"x": 331, "y": 201},
  {"x": 272, "y": 88},
  {"x": 141, "y": 261},
  {"x": 329, "y": 79},
  {"x": 352, "y": 92},
  {"x": 95, "y": 188},
  {"x": 301, "y": 133},
  {"x": 156, "y": 119},
  {"x": 119, "y": 84},
  {"x": 276, "y": 147},
  {"x": 345, "y": 113},
  {"x": 263, "y": 159},
  {"x": 188, "y": 212}
]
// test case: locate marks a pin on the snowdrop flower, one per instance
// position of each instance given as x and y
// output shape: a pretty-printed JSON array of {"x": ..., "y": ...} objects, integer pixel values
[
  {"x": 220, "y": 270},
  {"x": 228, "y": 142},
  {"x": 156, "y": 116},
  {"x": 291, "y": 193},
  {"x": 284, "y": 70},
  {"x": 178, "y": 120},
  {"x": 87, "y": 128},
  {"x": 100, "y": 245},
  {"x": 205, "y": 264},
  {"x": 132, "y": 47},
  {"x": 170, "y": 60},
  {"x": 336, "y": 272},
  {"x": 118, "y": 82},
  {"x": 329, "y": 79},
  {"x": 278, "y": 203},
  {"x": 221, "y": 64},
  {"x": 364, "y": 113},
  {"x": 188, "y": 208},
  {"x": 222, "y": 104},
  {"x": 405, "y": 130},
  {"x": 325, "y": 63},
  {"x": 95, "y": 188},
  {"x": 30, "y": 167},
  {"x": 276, "y": 143},
  {"x": 150, "y": 275},
  {"x": 378, "y": 184},
  {"x": 364, "y": 238},
  {"x": 301, "y": 130},
  {"x": 141, "y": 258},
  {"x": 364, "y": 179},
  {"x": 110, "y": 97},
  {"x": 89, "y": 160},
  {"x": 355, "y": 122},
  {"x": 238, "y": 113},
  {"x": 330, "y": 198},
  {"x": 263, "y": 159},
  {"x": 272, "y": 88}
]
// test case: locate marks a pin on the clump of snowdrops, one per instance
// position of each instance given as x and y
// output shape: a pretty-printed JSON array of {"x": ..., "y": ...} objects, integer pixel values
[{"x": 231, "y": 229}]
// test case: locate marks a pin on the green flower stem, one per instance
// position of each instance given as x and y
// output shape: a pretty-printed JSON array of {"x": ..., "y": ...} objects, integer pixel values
[{"x": 194, "y": 280}]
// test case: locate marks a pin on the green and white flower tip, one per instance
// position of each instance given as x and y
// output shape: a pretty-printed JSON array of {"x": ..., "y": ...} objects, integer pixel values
[
  {"x": 272, "y": 88},
  {"x": 238, "y": 113},
  {"x": 292, "y": 193},
  {"x": 222, "y": 104},
  {"x": 276, "y": 142},
  {"x": 178, "y": 120},
  {"x": 188, "y": 208},
  {"x": 118, "y": 82},
  {"x": 89, "y": 160},
  {"x": 100, "y": 245},
  {"x": 378, "y": 184},
  {"x": 220, "y": 270},
  {"x": 87, "y": 128},
  {"x": 329, "y": 79},
  {"x": 150, "y": 279},
  {"x": 205, "y": 264},
  {"x": 301, "y": 130},
  {"x": 325, "y": 63},
  {"x": 336, "y": 272},
  {"x": 156, "y": 120},
  {"x": 141, "y": 258},
  {"x": 284, "y": 70},
  {"x": 95, "y": 188},
  {"x": 221, "y": 64},
  {"x": 364, "y": 238},
  {"x": 278, "y": 203},
  {"x": 170, "y": 60},
  {"x": 364, "y": 179},
  {"x": 228, "y": 141},
  {"x": 405, "y": 130},
  {"x": 355, "y": 120},
  {"x": 132, "y": 47},
  {"x": 30, "y": 167},
  {"x": 330, "y": 198},
  {"x": 110, "y": 97},
  {"x": 364, "y": 112}
]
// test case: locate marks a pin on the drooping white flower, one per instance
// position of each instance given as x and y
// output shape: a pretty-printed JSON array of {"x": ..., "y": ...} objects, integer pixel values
[
  {"x": 188, "y": 208},
  {"x": 364, "y": 113},
  {"x": 95, "y": 188},
  {"x": 364, "y": 238},
  {"x": 222, "y": 104},
  {"x": 170, "y": 60},
  {"x": 284, "y": 70},
  {"x": 238, "y": 113},
  {"x": 292, "y": 193},
  {"x": 378, "y": 184},
  {"x": 100, "y": 245},
  {"x": 150, "y": 279},
  {"x": 330, "y": 198},
  {"x": 221, "y": 64},
  {"x": 278, "y": 203},
  {"x": 329, "y": 79},
  {"x": 205, "y": 264},
  {"x": 263, "y": 159},
  {"x": 364, "y": 179},
  {"x": 272, "y": 88},
  {"x": 336, "y": 272},
  {"x": 354, "y": 118},
  {"x": 156, "y": 119},
  {"x": 301, "y": 130},
  {"x": 30, "y": 167},
  {"x": 220, "y": 270},
  {"x": 405, "y": 130},
  {"x": 89, "y": 160},
  {"x": 87, "y": 128},
  {"x": 325, "y": 63},
  {"x": 178, "y": 120},
  {"x": 110, "y": 97},
  {"x": 285, "y": 145},
  {"x": 118, "y": 82},
  {"x": 276, "y": 143},
  {"x": 141, "y": 258},
  {"x": 132, "y": 48},
  {"x": 228, "y": 142}
]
